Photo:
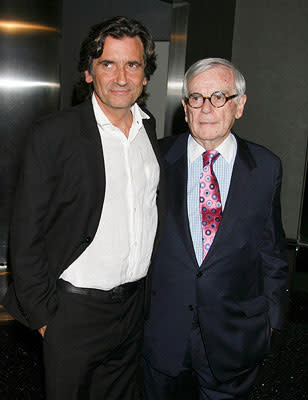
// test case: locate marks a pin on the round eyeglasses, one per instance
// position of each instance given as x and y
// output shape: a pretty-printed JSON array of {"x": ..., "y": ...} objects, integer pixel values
[{"x": 217, "y": 99}]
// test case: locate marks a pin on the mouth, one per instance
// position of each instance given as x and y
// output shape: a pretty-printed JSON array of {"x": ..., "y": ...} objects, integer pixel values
[{"x": 120, "y": 92}]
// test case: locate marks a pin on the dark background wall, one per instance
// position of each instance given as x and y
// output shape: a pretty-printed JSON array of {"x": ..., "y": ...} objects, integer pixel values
[
  {"x": 29, "y": 88},
  {"x": 27, "y": 55},
  {"x": 210, "y": 30},
  {"x": 270, "y": 45}
]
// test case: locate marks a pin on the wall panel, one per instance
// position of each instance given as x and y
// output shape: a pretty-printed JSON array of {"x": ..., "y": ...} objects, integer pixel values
[
  {"x": 270, "y": 47},
  {"x": 29, "y": 88}
]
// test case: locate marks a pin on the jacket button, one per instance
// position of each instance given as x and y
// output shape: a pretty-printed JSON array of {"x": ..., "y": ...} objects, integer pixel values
[
  {"x": 191, "y": 307},
  {"x": 88, "y": 239},
  {"x": 199, "y": 274}
]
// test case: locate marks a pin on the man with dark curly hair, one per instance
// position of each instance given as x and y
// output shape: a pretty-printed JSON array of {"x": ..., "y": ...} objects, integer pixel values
[{"x": 85, "y": 221}]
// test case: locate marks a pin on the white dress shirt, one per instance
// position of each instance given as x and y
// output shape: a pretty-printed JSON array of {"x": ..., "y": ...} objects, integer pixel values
[
  {"x": 121, "y": 249},
  {"x": 222, "y": 167}
]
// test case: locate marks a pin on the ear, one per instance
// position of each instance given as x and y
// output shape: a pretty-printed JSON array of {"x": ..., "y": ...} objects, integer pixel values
[
  {"x": 240, "y": 106},
  {"x": 145, "y": 81},
  {"x": 185, "y": 109},
  {"x": 88, "y": 77}
]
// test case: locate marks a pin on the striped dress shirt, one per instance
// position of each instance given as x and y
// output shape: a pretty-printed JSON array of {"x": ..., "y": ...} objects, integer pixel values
[{"x": 223, "y": 167}]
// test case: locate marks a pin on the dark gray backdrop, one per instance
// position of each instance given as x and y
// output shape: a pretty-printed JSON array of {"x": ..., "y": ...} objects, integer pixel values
[{"x": 270, "y": 45}]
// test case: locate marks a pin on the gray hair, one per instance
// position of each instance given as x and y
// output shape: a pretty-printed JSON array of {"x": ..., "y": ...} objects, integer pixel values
[{"x": 208, "y": 63}]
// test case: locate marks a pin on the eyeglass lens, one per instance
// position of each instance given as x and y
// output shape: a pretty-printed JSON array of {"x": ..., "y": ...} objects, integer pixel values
[{"x": 217, "y": 99}]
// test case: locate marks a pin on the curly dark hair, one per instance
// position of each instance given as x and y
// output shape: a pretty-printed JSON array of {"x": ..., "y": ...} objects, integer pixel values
[{"x": 93, "y": 45}]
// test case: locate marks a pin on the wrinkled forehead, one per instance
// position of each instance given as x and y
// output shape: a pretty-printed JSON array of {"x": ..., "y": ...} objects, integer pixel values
[{"x": 216, "y": 78}]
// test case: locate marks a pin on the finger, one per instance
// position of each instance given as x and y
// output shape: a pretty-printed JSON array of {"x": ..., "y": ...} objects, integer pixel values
[{"x": 42, "y": 330}]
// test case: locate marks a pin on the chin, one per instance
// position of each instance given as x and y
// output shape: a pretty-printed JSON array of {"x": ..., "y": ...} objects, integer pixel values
[
  {"x": 208, "y": 137},
  {"x": 121, "y": 104}
]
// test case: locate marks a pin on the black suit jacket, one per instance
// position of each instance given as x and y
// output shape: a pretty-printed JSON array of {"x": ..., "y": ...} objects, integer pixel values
[
  {"x": 238, "y": 291},
  {"x": 59, "y": 200}
]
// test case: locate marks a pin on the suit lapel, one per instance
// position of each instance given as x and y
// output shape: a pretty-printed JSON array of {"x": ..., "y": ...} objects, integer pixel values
[
  {"x": 93, "y": 151},
  {"x": 243, "y": 165},
  {"x": 150, "y": 130},
  {"x": 177, "y": 192},
  {"x": 161, "y": 202}
]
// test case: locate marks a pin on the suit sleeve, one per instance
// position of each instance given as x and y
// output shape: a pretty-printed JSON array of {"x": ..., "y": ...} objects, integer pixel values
[
  {"x": 29, "y": 260},
  {"x": 272, "y": 252}
]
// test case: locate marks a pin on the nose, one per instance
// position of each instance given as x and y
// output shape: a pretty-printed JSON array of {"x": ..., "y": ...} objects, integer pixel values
[
  {"x": 207, "y": 106},
  {"x": 121, "y": 78}
]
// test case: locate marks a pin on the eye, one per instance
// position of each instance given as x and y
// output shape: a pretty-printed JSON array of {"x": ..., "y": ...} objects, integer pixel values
[
  {"x": 195, "y": 96},
  {"x": 219, "y": 95},
  {"x": 107, "y": 64},
  {"x": 133, "y": 65}
]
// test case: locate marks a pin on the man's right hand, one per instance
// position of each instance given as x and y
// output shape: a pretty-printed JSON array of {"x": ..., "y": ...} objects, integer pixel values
[{"x": 42, "y": 331}]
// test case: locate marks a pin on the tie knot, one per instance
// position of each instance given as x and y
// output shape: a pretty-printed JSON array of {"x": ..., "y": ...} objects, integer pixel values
[{"x": 209, "y": 157}]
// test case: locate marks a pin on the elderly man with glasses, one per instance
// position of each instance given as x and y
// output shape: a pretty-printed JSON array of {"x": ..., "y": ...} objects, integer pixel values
[{"x": 220, "y": 271}]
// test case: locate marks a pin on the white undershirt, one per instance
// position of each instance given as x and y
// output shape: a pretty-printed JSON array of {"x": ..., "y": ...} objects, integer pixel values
[{"x": 121, "y": 249}]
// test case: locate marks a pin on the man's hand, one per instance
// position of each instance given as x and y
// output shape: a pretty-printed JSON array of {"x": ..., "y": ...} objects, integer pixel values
[
  {"x": 42, "y": 331},
  {"x": 272, "y": 330}
]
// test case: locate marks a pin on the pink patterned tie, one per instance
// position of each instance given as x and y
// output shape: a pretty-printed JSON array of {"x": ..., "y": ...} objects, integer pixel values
[{"x": 210, "y": 202}]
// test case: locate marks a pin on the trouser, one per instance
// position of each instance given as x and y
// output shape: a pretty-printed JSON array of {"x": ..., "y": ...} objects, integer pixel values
[
  {"x": 92, "y": 344},
  {"x": 196, "y": 380}
]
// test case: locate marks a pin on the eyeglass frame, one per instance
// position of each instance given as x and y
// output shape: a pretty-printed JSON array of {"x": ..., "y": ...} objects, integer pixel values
[{"x": 186, "y": 99}]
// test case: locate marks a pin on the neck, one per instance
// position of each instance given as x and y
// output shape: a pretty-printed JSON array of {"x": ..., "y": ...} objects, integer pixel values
[
  {"x": 122, "y": 118},
  {"x": 210, "y": 144}
]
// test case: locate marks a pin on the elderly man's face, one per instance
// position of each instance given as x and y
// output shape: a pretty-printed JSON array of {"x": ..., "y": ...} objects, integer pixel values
[{"x": 209, "y": 125}]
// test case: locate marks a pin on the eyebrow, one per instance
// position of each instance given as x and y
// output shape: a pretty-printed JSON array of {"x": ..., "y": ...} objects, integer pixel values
[
  {"x": 113, "y": 62},
  {"x": 225, "y": 92},
  {"x": 105, "y": 61},
  {"x": 134, "y": 62}
]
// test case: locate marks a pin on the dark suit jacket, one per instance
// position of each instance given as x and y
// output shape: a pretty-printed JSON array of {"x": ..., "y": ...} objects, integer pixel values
[
  {"x": 59, "y": 201},
  {"x": 238, "y": 290}
]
